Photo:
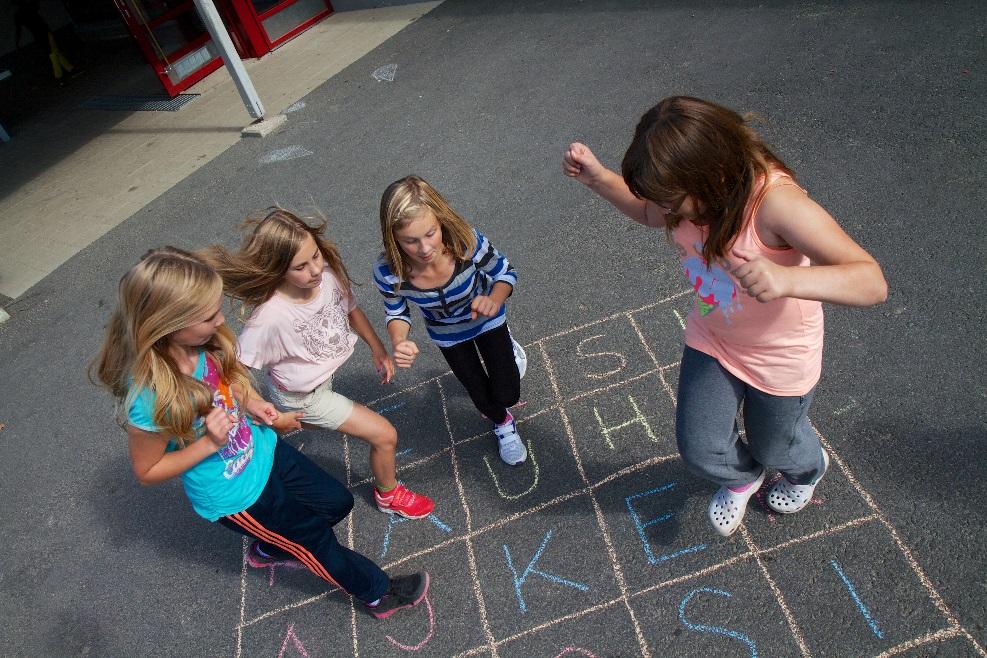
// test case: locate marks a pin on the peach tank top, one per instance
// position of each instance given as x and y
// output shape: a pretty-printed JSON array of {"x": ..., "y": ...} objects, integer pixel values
[{"x": 775, "y": 346}]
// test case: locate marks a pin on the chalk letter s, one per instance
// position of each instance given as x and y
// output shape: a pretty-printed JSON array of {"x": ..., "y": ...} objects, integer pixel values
[{"x": 716, "y": 630}]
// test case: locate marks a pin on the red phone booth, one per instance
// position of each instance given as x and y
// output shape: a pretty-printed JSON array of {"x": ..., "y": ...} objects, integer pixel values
[{"x": 177, "y": 45}]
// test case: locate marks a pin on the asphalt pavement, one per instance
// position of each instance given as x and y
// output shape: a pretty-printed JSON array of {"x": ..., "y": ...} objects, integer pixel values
[{"x": 599, "y": 545}]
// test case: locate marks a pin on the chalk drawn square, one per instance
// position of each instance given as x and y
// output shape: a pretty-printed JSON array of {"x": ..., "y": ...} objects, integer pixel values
[
  {"x": 730, "y": 612},
  {"x": 386, "y": 538},
  {"x": 299, "y": 630},
  {"x": 857, "y": 580},
  {"x": 657, "y": 519},
  {"x": 835, "y": 502},
  {"x": 536, "y": 396},
  {"x": 417, "y": 416},
  {"x": 560, "y": 567},
  {"x": 497, "y": 491},
  {"x": 286, "y": 585},
  {"x": 596, "y": 356},
  {"x": 623, "y": 426},
  {"x": 446, "y": 624},
  {"x": 663, "y": 327},
  {"x": 602, "y": 633}
]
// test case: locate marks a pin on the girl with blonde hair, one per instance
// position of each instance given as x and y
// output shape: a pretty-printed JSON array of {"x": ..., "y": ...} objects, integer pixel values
[
  {"x": 436, "y": 261},
  {"x": 762, "y": 256},
  {"x": 190, "y": 410},
  {"x": 303, "y": 324}
]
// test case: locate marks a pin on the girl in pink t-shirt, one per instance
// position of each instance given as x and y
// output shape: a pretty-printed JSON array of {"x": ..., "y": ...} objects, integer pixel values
[
  {"x": 303, "y": 325},
  {"x": 762, "y": 257}
]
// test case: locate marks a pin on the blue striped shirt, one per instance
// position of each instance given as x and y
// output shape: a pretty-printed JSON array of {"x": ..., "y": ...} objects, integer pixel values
[{"x": 447, "y": 309}]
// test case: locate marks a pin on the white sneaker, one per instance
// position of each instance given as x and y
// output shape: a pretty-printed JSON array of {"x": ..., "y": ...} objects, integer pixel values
[
  {"x": 512, "y": 450},
  {"x": 787, "y": 498},
  {"x": 520, "y": 358}
]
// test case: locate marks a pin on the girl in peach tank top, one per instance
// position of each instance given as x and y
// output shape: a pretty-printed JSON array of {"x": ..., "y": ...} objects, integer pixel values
[{"x": 761, "y": 257}]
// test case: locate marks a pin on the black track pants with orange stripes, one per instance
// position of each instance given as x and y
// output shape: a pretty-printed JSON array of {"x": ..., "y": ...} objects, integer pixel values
[{"x": 296, "y": 512}]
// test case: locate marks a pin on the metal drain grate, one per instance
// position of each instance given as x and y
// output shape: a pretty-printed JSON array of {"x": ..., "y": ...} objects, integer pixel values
[{"x": 139, "y": 103}]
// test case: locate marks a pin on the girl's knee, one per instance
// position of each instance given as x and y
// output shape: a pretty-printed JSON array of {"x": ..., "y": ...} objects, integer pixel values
[{"x": 385, "y": 438}]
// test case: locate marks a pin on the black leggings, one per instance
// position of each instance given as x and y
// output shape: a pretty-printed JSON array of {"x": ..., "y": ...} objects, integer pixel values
[{"x": 499, "y": 386}]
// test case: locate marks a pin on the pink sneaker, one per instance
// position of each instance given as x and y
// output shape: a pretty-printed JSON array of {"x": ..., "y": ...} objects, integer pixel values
[{"x": 405, "y": 502}]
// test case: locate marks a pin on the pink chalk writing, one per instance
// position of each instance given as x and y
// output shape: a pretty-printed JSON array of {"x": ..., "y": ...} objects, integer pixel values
[
  {"x": 299, "y": 647},
  {"x": 570, "y": 651},
  {"x": 431, "y": 630}
]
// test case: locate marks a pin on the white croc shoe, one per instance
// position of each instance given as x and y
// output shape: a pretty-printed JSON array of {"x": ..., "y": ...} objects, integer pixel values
[
  {"x": 727, "y": 508},
  {"x": 520, "y": 358},
  {"x": 787, "y": 498}
]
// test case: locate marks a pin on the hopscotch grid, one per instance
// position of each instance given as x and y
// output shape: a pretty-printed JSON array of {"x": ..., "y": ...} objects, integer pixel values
[
  {"x": 561, "y": 499},
  {"x": 705, "y": 571},
  {"x": 520, "y": 421},
  {"x": 600, "y": 518},
  {"x": 754, "y": 553}
]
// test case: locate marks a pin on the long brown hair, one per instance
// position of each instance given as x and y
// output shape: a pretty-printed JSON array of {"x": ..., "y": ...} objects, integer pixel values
[
  {"x": 168, "y": 290},
  {"x": 687, "y": 146},
  {"x": 253, "y": 273},
  {"x": 404, "y": 201}
]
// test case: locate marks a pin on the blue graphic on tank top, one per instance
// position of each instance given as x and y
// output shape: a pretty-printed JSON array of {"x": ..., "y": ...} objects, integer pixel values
[{"x": 714, "y": 287}]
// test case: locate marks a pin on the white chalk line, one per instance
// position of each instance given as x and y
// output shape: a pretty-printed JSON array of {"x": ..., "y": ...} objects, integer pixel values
[
  {"x": 793, "y": 626},
  {"x": 597, "y": 510},
  {"x": 243, "y": 597},
  {"x": 937, "y": 636},
  {"x": 470, "y": 551},
  {"x": 646, "y": 307}
]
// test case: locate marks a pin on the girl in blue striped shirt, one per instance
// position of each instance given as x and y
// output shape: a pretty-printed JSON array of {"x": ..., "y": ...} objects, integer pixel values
[{"x": 435, "y": 260}]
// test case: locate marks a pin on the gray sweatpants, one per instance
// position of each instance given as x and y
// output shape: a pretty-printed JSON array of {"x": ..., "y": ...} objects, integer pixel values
[{"x": 778, "y": 431}]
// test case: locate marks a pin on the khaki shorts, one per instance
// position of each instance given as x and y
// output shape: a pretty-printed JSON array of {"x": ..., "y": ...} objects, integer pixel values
[{"x": 322, "y": 407}]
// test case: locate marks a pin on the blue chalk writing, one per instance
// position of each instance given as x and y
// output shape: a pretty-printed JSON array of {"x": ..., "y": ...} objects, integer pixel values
[
  {"x": 642, "y": 525},
  {"x": 384, "y": 410},
  {"x": 530, "y": 569},
  {"x": 716, "y": 630},
  {"x": 394, "y": 519},
  {"x": 856, "y": 599}
]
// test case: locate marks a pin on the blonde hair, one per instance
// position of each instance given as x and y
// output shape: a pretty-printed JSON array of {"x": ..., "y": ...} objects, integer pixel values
[
  {"x": 168, "y": 290},
  {"x": 404, "y": 201},
  {"x": 253, "y": 273}
]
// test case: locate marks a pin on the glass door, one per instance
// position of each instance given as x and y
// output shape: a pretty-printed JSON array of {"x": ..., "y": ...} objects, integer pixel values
[
  {"x": 269, "y": 23},
  {"x": 173, "y": 39}
]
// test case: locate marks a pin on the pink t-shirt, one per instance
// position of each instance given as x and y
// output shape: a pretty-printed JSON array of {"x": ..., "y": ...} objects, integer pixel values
[
  {"x": 775, "y": 346},
  {"x": 301, "y": 345}
]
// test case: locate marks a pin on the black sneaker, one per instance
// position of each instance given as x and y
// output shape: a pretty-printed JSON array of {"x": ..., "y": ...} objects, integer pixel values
[
  {"x": 258, "y": 559},
  {"x": 405, "y": 591}
]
